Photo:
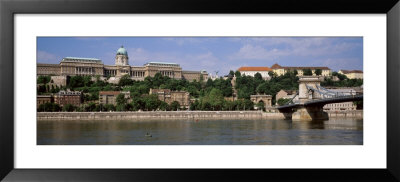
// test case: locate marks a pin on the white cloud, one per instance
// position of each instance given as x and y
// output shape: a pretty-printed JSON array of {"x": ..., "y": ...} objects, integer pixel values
[
  {"x": 273, "y": 48},
  {"x": 257, "y": 52},
  {"x": 43, "y": 56},
  {"x": 187, "y": 40},
  {"x": 341, "y": 63}
]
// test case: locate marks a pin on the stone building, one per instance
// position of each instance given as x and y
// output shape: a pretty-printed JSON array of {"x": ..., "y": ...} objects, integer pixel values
[
  {"x": 281, "y": 70},
  {"x": 266, "y": 99},
  {"x": 42, "y": 99},
  {"x": 169, "y": 96},
  {"x": 110, "y": 97},
  {"x": 352, "y": 74},
  {"x": 285, "y": 94},
  {"x": 68, "y": 97},
  {"x": 71, "y": 66},
  {"x": 251, "y": 71},
  {"x": 344, "y": 106}
]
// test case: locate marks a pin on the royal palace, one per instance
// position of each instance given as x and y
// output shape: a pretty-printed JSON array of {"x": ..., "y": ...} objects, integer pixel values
[{"x": 72, "y": 66}]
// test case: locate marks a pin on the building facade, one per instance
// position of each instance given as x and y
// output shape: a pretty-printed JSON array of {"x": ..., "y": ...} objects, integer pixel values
[
  {"x": 72, "y": 66},
  {"x": 251, "y": 71},
  {"x": 68, "y": 97},
  {"x": 343, "y": 106},
  {"x": 265, "y": 99},
  {"x": 110, "y": 97},
  {"x": 352, "y": 74},
  {"x": 168, "y": 96},
  {"x": 42, "y": 99},
  {"x": 281, "y": 70},
  {"x": 285, "y": 94}
]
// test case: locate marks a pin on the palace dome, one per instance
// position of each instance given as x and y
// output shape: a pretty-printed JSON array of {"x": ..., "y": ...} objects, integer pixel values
[{"x": 122, "y": 51}]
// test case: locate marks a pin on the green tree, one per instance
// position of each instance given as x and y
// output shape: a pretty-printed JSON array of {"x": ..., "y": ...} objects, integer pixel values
[
  {"x": 43, "y": 79},
  {"x": 260, "y": 106},
  {"x": 164, "y": 106},
  {"x": 49, "y": 107},
  {"x": 151, "y": 102},
  {"x": 271, "y": 74},
  {"x": 318, "y": 72},
  {"x": 258, "y": 76},
  {"x": 68, "y": 108},
  {"x": 237, "y": 74},
  {"x": 175, "y": 106},
  {"x": 121, "y": 99},
  {"x": 282, "y": 101},
  {"x": 125, "y": 80},
  {"x": 307, "y": 72}
]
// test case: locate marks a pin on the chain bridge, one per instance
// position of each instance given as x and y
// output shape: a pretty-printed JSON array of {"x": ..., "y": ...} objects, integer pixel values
[{"x": 308, "y": 102}]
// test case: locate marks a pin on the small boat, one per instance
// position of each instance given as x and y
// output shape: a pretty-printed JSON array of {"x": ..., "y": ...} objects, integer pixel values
[{"x": 148, "y": 135}]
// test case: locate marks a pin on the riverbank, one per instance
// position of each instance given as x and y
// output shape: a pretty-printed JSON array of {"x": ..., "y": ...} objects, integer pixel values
[{"x": 175, "y": 115}]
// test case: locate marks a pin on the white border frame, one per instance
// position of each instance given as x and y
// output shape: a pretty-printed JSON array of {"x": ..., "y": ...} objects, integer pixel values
[{"x": 370, "y": 155}]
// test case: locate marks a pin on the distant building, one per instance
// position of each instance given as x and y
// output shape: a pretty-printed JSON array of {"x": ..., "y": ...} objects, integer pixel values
[
  {"x": 72, "y": 66},
  {"x": 343, "y": 106},
  {"x": 352, "y": 74},
  {"x": 251, "y": 71},
  {"x": 281, "y": 70},
  {"x": 168, "y": 96},
  {"x": 110, "y": 97},
  {"x": 42, "y": 99},
  {"x": 68, "y": 97},
  {"x": 265, "y": 99},
  {"x": 285, "y": 94}
]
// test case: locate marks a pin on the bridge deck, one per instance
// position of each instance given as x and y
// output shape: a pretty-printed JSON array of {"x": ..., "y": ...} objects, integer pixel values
[{"x": 323, "y": 101}]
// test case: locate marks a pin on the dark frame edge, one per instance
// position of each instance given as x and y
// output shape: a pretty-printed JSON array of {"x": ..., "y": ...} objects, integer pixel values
[
  {"x": 393, "y": 101},
  {"x": 7, "y": 95}
]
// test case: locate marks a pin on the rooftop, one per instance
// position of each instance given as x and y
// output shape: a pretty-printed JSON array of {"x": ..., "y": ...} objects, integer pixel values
[
  {"x": 351, "y": 71},
  {"x": 161, "y": 63},
  {"x": 79, "y": 59},
  {"x": 243, "y": 68},
  {"x": 109, "y": 92},
  {"x": 277, "y": 66}
]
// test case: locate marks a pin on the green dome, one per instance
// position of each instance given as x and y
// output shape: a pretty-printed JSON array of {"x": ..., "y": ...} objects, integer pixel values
[{"x": 122, "y": 51}]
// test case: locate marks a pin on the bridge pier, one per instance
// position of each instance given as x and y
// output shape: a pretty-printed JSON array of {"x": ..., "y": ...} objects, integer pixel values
[{"x": 309, "y": 113}]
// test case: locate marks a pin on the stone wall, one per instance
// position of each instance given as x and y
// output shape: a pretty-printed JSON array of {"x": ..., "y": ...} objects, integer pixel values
[
  {"x": 175, "y": 115},
  {"x": 163, "y": 115}
]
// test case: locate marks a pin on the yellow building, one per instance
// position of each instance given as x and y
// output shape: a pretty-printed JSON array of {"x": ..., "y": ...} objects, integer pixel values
[
  {"x": 281, "y": 70},
  {"x": 352, "y": 74}
]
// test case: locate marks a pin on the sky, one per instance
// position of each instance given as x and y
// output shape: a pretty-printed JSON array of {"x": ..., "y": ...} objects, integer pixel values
[{"x": 213, "y": 54}]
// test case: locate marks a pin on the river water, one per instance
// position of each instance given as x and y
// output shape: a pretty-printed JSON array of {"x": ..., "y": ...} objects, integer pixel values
[{"x": 201, "y": 132}]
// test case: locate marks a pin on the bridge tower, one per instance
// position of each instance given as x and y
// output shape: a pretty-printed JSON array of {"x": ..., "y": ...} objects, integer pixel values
[
  {"x": 308, "y": 113},
  {"x": 308, "y": 81}
]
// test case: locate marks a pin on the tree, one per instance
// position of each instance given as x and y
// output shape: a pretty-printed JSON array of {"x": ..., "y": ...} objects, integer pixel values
[
  {"x": 271, "y": 74},
  {"x": 164, "y": 106},
  {"x": 121, "y": 99},
  {"x": 175, "y": 106},
  {"x": 282, "y": 101},
  {"x": 151, "y": 102},
  {"x": 49, "y": 107},
  {"x": 43, "y": 79},
  {"x": 260, "y": 105},
  {"x": 257, "y": 76},
  {"x": 68, "y": 108},
  {"x": 195, "y": 106},
  {"x": 307, "y": 72},
  {"x": 125, "y": 80},
  {"x": 231, "y": 74},
  {"x": 237, "y": 74},
  {"x": 318, "y": 72}
]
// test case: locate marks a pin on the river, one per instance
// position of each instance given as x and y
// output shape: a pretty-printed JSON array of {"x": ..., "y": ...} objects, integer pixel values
[{"x": 201, "y": 132}]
